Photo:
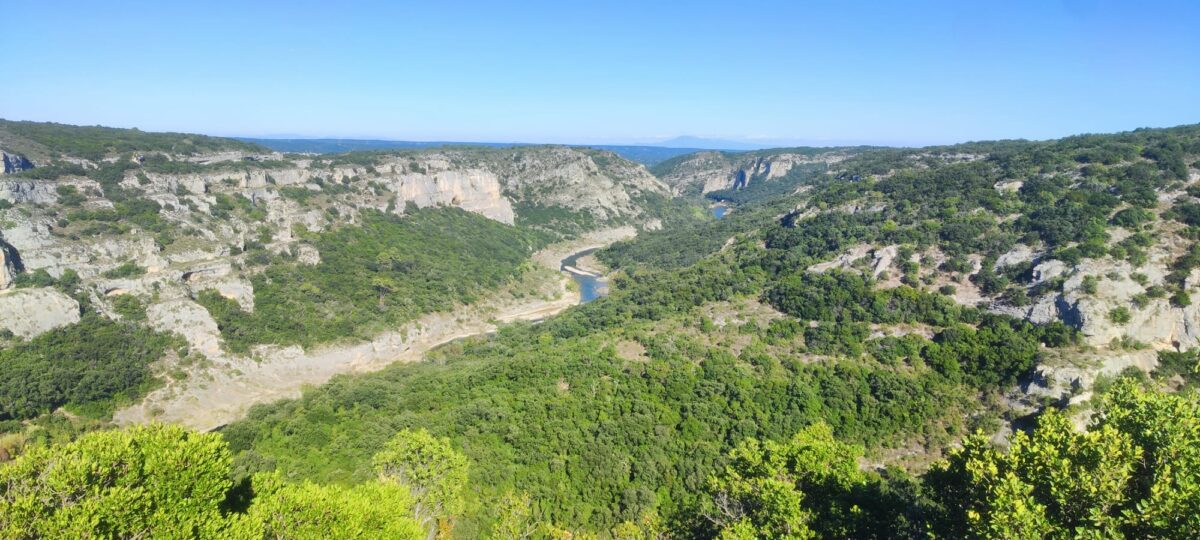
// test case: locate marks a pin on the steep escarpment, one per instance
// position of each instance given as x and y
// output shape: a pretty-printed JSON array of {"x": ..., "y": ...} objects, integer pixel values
[
  {"x": 164, "y": 210},
  {"x": 249, "y": 255},
  {"x": 706, "y": 172}
]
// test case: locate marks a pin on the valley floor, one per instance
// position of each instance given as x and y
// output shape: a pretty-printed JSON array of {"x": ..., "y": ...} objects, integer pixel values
[{"x": 214, "y": 396}]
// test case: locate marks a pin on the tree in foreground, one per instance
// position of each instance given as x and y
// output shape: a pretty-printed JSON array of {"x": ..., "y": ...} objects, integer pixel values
[
  {"x": 1134, "y": 474},
  {"x": 317, "y": 512},
  {"x": 166, "y": 482},
  {"x": 780, "y": 490},
  {"x": 148, "y": 481},
  {"x": 432, "y": 470}
]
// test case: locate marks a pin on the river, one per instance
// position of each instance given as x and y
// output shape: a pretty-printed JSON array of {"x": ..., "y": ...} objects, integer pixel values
[
  {"x": 591, "y": 286},
  {"x": 223, "y": 391}
]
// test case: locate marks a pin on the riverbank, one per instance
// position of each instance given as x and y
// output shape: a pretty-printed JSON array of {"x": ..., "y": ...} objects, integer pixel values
[
  {"x": 211, "y": 397},
  {"x": 552, "y": 256}
]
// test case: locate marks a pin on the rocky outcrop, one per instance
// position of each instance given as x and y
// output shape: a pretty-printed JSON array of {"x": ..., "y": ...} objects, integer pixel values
[
  {"x": 9, "y": 264},
  {"x": 188, "y": 319},
  {"x": 207, "y": 237},
  {"x": 231, "y": 287},
  {"x": 473, "y": 190},
  {"x": 14, "y": 163},
  {"x": 1020, "y": 253},
  {"x": 1154, "y": 322},
  {"x": 848, "y": 259},
  {"x": 1071, "y": 380},
  {"x": 27, "y": 191},
  {"x": 308, "y": 255},
  {"x": 873, "y": 261},
  {"x": 30, "y": 312},
  {"x": 704, "y": 172},
  {"x": 609, "y": 188}
]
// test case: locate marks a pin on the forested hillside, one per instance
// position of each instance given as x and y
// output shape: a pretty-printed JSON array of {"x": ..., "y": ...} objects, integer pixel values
[
  {"x": 988, "y": 340},
  {"x": 758, "y": 325}
]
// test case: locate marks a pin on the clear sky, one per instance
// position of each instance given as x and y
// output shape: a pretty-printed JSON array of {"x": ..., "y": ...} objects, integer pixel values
[{"x": 913, "y": 72}]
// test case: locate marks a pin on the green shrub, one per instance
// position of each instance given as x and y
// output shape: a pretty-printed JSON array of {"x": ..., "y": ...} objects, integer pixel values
[{"x": 1120, "y": 315}]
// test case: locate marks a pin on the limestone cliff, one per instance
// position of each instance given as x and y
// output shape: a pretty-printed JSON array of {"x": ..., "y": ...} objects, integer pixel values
[
  {"x": 704, "y": 172},
  {"x": 210, "y": 207}
]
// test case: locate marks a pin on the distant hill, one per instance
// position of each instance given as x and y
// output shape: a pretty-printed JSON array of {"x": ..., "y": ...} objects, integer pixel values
[{"x": 646, "y": 155}]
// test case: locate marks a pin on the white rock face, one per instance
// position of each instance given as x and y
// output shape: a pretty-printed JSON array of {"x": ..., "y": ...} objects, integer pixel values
[
  {"x": 713, "y": 171},
  {"x": 473, "y": 190},
  {"x": 213, "y": 238},
  {"x": 188, "y": 319},
  {"x": 845, "y": 260},
  {"x": 1048, "y": 270},
  {"x": 30, "y": 312},
  {"x": 1018, "y": 254},
  {"x": 28, "y": 191},
  {"x": 231, "y": 287},
  {"x": 1060, "y": 380},
  {"x": 8, "y": 267},
  {"x": 883, "y": 260},
  {"x": 577, "y": 180},
  {"x": 90, "y": 258},
  {"x": 1044, "y": 310},
  {"x": 1157, "y": 323}
]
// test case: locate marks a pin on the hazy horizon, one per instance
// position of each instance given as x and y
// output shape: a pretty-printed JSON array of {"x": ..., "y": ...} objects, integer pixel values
[{"x": 762, "y": 73}]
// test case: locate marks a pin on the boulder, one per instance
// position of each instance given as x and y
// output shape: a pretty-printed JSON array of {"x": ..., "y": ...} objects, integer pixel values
[
  {"x": 1020, "y": 253},
  {"x": 1060, "y": 380},
  {"x": 1049, "y": 270}
]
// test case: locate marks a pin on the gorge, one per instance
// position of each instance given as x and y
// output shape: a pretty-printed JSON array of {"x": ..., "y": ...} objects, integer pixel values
[{"x": 606, "y": 339}]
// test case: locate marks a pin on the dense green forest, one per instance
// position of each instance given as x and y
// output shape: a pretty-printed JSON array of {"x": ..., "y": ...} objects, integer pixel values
[
  {"x": 598, "y": 437},
  {"x": 372, "y": 276},
  {"x": 89, "y": 367},
  {"x": 1132, "y": 474}
]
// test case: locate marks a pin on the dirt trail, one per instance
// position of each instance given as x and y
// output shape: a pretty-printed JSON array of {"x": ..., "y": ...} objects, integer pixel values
[{"x": 210, "y": 398}]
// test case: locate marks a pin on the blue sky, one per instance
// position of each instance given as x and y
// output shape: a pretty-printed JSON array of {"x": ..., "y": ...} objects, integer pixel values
[{"x": 916, "y": 72}]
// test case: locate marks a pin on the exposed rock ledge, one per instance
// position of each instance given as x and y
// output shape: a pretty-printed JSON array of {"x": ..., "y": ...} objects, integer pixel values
[{"x": 30, "y": 312}]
